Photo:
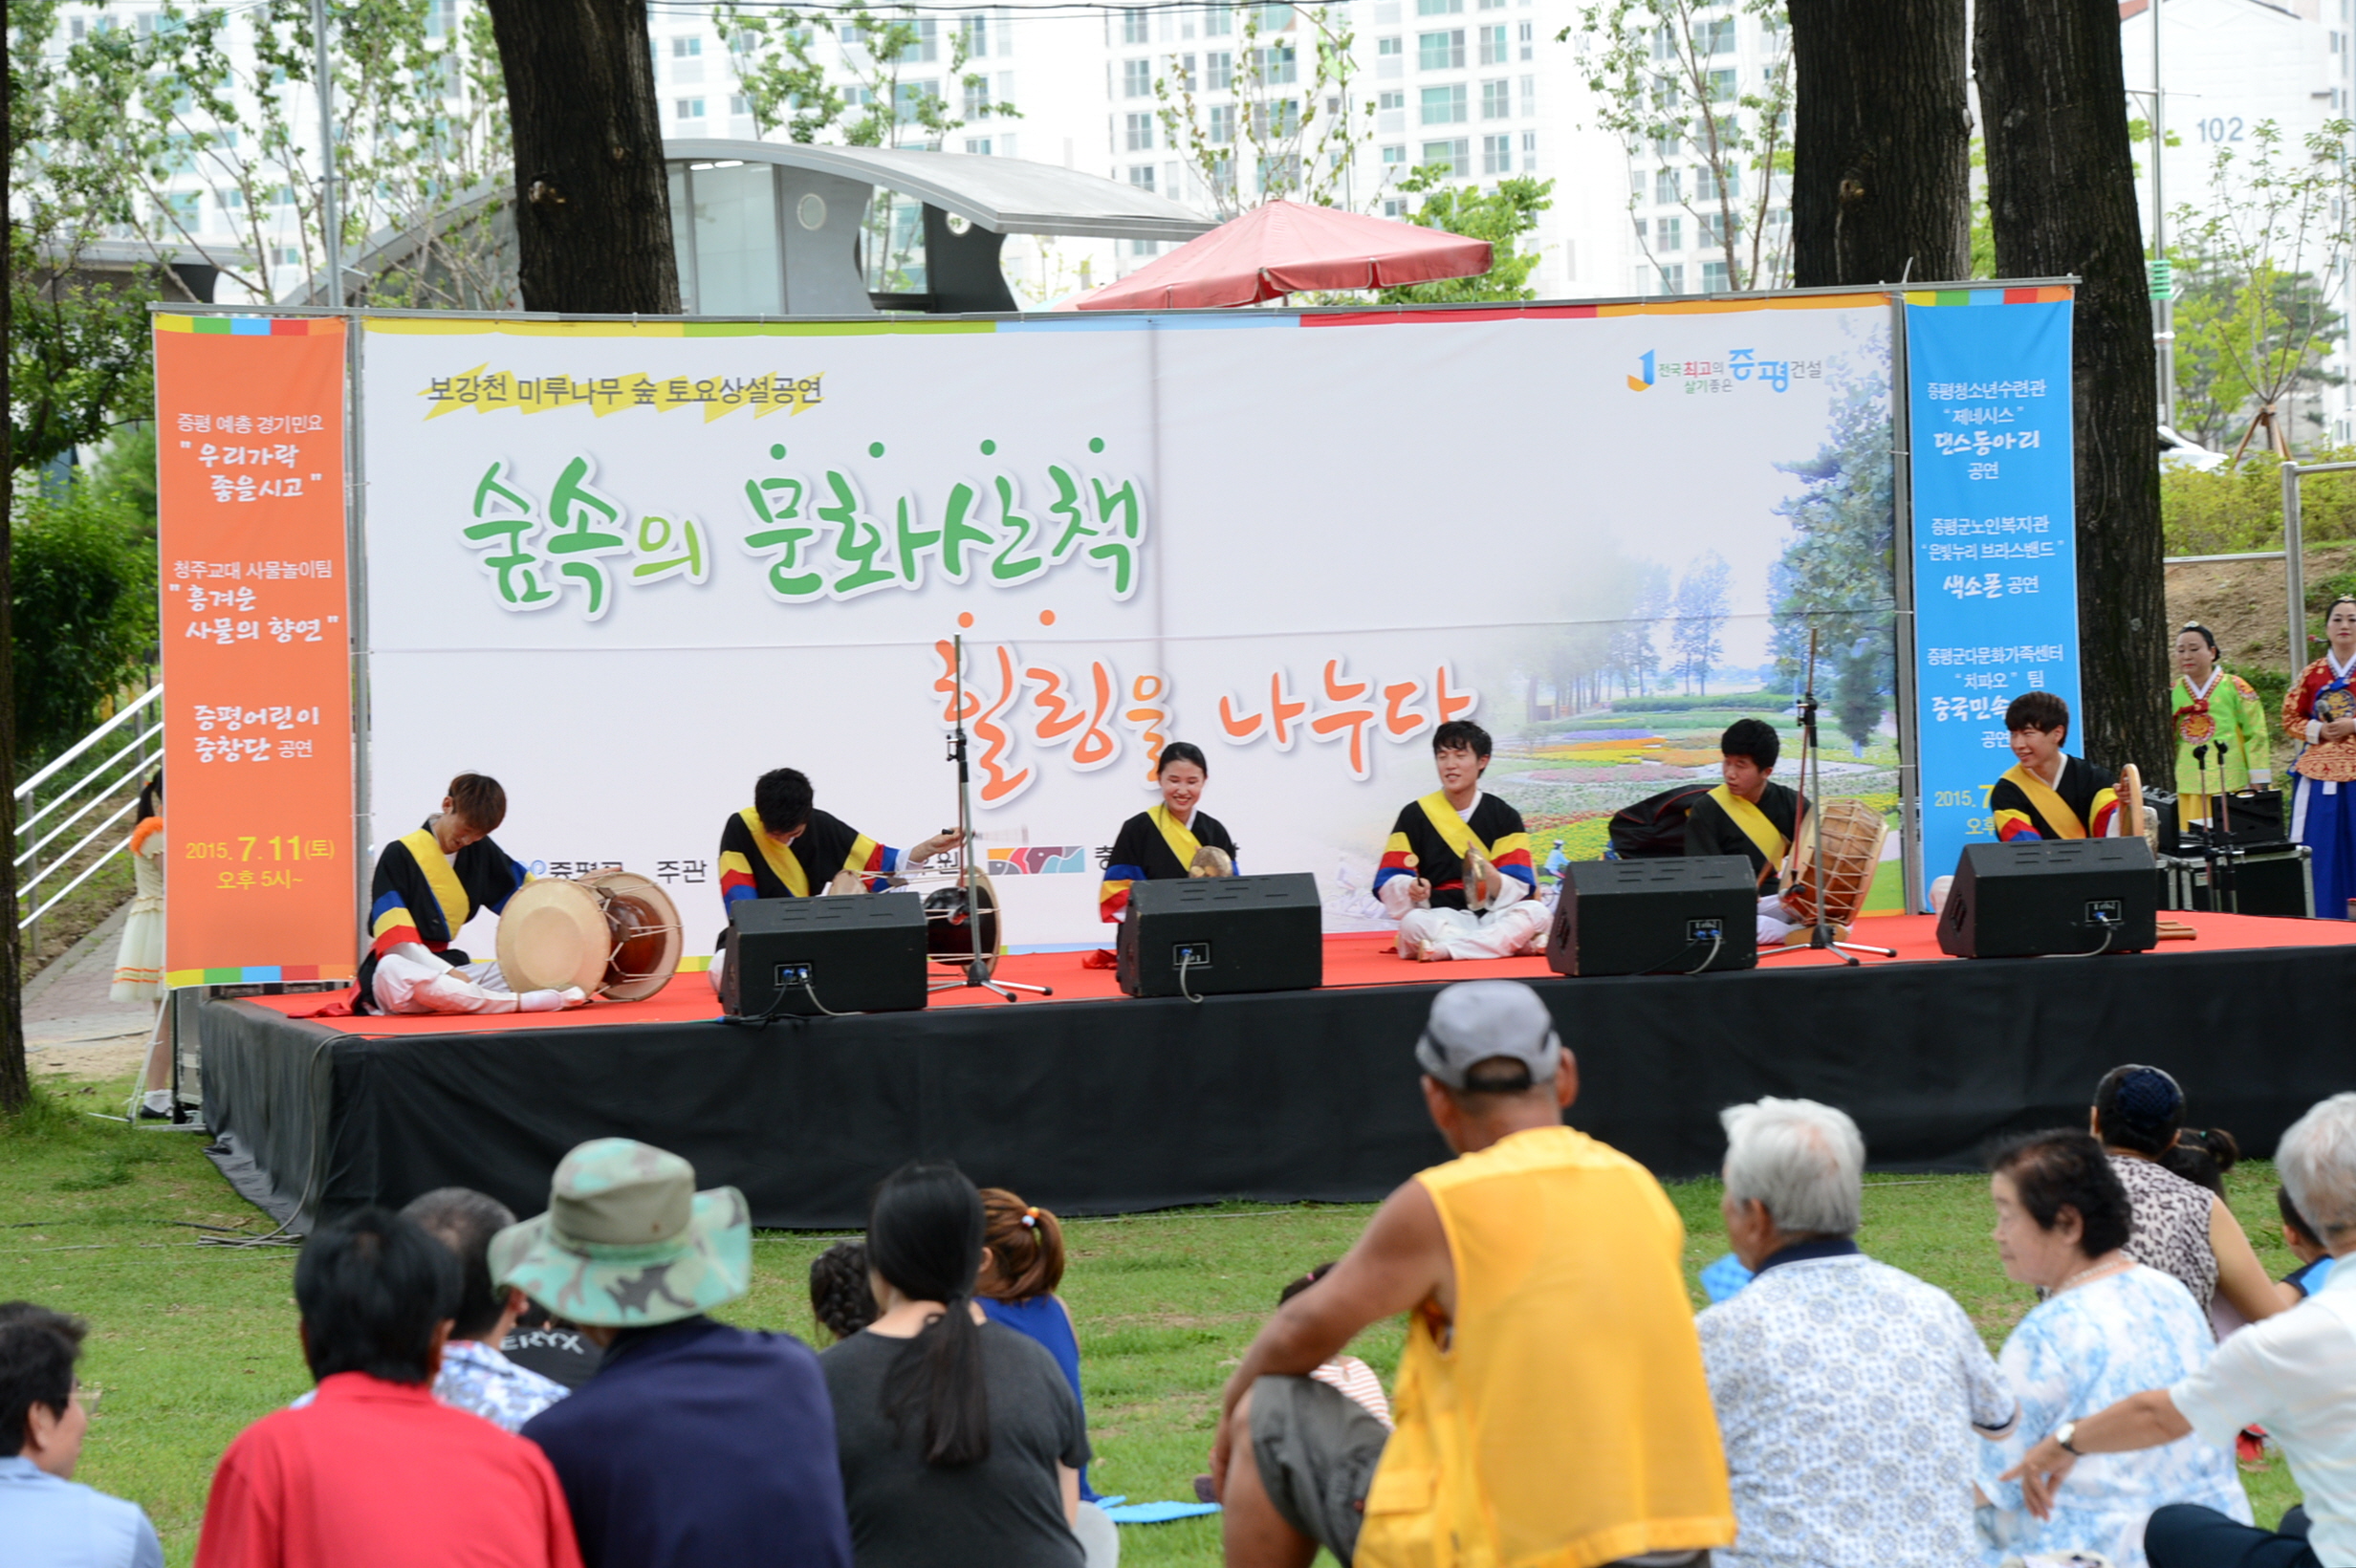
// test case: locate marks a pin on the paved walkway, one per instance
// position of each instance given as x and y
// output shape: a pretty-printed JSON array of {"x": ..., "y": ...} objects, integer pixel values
[{"x": 71, "y": 1026}]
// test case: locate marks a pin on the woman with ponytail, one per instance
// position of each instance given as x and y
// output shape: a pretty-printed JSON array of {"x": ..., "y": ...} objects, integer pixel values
[
  {"x": 959, "y": 1439},
  {"x": 2181, "y": 1228}
]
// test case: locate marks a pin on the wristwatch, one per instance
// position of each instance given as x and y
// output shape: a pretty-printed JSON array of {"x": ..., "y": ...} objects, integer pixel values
[{"x": 2063, "y": 1434}]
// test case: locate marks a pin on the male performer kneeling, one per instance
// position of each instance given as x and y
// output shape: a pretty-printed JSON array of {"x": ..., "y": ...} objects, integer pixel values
[
  {"x": 1751, "y": 816},
  {"x": 429, "y": 885},
  {"x": 1421, "y": 876},
  {"x": 783, "y": 846},
  {"x": 2050, "y": 795}
]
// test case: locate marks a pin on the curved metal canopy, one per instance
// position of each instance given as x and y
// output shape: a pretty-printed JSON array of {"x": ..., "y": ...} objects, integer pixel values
[{"x": 1004, "y": 195}]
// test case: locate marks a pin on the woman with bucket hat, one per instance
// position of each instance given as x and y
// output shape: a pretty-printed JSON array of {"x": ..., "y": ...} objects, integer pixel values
[{"x": 696, "y": 1443}]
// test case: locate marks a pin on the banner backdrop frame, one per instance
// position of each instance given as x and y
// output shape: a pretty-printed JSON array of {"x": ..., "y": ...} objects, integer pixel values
[{"x": 364, "y": 705}]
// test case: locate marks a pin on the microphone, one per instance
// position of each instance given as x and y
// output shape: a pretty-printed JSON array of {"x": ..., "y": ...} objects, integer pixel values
[{"x": 2200, "y": 754}]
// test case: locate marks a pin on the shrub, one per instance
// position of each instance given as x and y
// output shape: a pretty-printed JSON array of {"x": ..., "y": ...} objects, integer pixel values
[{"x": 84, "y": 603}]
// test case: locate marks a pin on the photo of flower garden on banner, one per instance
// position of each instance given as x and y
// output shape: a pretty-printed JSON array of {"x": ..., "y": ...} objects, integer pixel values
[
  {"x": 259, "y": 879},
  {"x": 626, "y": 568}
]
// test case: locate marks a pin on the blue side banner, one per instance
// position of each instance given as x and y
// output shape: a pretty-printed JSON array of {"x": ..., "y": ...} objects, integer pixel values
[{"x": 1996, "y": 561}]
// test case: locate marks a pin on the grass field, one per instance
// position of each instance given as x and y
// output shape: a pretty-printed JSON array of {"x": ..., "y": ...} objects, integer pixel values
[{"x": 191, "y": 1341}]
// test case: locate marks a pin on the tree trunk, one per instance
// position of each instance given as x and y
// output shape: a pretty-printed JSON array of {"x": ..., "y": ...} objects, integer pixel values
[
  {"x": 16, "y": 1089},
  {"x": 593, "y": 214},
  {"x": 2061, "y": 200},
  {"x": 1881, "y": 142}
]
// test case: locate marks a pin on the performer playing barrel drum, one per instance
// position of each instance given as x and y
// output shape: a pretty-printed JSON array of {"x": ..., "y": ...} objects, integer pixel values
[
  {"x": 783, "y": 847},
  {"x": 427, "y": 886},
  {"x": 2050, "y": 795},
  {"x": 1752, "y": 816},
  {"x": 2320, "y": 712},
  {"x": 1175, "y": 839}
]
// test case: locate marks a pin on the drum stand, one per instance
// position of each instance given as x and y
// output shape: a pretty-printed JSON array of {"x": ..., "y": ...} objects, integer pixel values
[
  {"x": 977, "y": 964},
  {"x": 1812, "y": 791}
]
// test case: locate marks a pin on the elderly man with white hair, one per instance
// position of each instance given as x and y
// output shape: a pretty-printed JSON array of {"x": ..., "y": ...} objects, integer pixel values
[
  {"x": 2292, "y": 1373},
  {"x": 1846, "y": 1390}
]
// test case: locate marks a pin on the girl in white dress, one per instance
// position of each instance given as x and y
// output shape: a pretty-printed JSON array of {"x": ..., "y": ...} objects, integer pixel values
[{"x": 139, "y": 963}]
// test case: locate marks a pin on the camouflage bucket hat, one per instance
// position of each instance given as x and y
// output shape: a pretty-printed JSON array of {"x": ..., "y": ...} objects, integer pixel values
[{"x": 628, "y": 1242}]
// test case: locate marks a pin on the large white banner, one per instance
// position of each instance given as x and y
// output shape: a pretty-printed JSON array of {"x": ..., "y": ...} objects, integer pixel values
[{"x": 626, "y": 570}]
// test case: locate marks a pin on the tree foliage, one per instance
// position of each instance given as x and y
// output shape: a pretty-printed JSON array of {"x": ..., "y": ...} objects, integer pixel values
[
  {"x": 1501, "y": 216},
  {"x": 1295, "y": 138},
  {"x": 792, "y": 90},
  {"x": 1654, "y": 71},
  {"x": 78, "y": 360},
  {"x": 82, "y": 611},
  {"x": 1699, "y": 607},
  {"x": 2273, "y": 221}
]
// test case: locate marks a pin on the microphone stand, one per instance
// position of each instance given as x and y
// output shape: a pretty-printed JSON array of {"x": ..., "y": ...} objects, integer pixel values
[
  {"x": 2208, "y": 828},
  {"x": 977, "y": 965},
  {"x": 2231, "y": 900},
  {"x": 1812, "y": 792}
]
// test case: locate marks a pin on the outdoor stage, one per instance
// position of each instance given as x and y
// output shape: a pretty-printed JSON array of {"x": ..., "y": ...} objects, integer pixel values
[{"x": 1094, "y": 1103}]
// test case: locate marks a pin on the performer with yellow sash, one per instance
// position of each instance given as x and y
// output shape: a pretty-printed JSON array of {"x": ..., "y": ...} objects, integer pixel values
[
  {"x": 1422, "y": 878},
  {"x": 2050, "y": 795},
  {"x": 783, "y": 847},
  {"x": 1175, "y": 839},
  {"x": 427, "y": 886},
  {"x": 1751, "y": 816}
]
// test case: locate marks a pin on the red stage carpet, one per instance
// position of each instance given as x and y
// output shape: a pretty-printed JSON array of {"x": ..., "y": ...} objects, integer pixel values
[{"x": 1350, "y": 962}]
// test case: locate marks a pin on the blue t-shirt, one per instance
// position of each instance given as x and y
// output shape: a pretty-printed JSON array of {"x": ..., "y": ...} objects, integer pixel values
[
  {"x": 697, "y": 1443},
  {"x": 2311, "y": 1277},
  {"x": 1043, "y": 1319},
  {"x": 64, "y": 1524}
]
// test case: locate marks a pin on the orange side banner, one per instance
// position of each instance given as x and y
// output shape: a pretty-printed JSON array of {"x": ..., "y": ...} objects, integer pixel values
[{"x": 256, "y": 635}]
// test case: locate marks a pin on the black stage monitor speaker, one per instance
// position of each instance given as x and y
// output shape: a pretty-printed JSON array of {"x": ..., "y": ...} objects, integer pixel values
[
  {"x": 2042, "y": 897},
  {"x": 864, "y": 952},
  {"x": 1656, "y": 916},
  {"x": 1205, "y": 935}
]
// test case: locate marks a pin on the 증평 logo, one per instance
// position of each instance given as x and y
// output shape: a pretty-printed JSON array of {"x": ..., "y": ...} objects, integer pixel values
[{"x": 1643, "y": 383}]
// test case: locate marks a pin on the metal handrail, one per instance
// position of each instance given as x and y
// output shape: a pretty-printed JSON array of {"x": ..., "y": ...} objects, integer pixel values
[
  {"x": 152, "y": 694},
  {"x": 67, "y": 826},
  {"x": 139, "y": 746},
  {"x": 89, "y": 871}
]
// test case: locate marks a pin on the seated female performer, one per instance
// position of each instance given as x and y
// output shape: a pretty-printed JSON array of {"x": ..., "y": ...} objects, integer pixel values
[
  {"x": 1171, "y": 840},
  {"x": 429, "y": 885}
]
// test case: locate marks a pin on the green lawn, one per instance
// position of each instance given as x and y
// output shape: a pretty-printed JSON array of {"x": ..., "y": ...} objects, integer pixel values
[{"x": 190, "y": 1341}]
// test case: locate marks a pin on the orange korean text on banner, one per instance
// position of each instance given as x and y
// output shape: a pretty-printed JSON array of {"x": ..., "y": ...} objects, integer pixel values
[{"x": 255, "y": 629}]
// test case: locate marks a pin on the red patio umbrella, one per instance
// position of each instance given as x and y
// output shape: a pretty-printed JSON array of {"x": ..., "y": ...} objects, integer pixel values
[{"x": 1281, "y": 247}]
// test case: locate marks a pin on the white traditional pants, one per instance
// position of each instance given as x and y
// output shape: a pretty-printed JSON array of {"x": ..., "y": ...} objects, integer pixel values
[
  {"x": 1774, "y": 922},
  {"x": 1460, "y": 933},
  {"x": 403, "y": 985}
]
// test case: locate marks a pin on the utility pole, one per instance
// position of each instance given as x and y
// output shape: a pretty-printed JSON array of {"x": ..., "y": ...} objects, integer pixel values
[{"x": 331, "y": 216}]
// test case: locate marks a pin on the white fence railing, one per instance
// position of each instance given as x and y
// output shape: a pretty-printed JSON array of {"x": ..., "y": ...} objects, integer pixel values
[{"x": 67, "y": 799}]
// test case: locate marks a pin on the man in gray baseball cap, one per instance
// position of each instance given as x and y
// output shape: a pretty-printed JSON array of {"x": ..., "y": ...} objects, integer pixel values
[{"x": 1551, "y": 1403}]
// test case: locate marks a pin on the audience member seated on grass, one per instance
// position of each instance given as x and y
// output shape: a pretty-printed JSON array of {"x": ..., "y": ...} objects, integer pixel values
[
  {"x": 2109, "y": 1326},
  {"x": 2314, "y": 1257},
  {"x": 695, "y": 1443},
  {"x": 2180, "y": 1228},
  {"x": 1848, "y": 1391},
  {"x": 1551, "y": 1401},
  {"x": 960, "y": 1440},
  {"x": 842, "y": 1291},
  {"x": 1347, "y": 1373},
  {"x": 1022, "y": 1253},
  {"x": 46, "y": 1519},
  {"x": 475, "y": 1375},
  {"x": 375, "y": 1471},
  {"x": 2294, "y": 1374}
]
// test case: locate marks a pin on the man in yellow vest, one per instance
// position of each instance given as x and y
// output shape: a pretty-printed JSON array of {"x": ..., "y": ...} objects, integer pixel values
[
  {"x": 1552, "y": 1409},
  {"x": 1752, "y": 816}
]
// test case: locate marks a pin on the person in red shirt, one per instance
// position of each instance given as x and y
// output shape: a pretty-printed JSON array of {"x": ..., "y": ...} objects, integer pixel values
[{"x": 374, "y": 1472}]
